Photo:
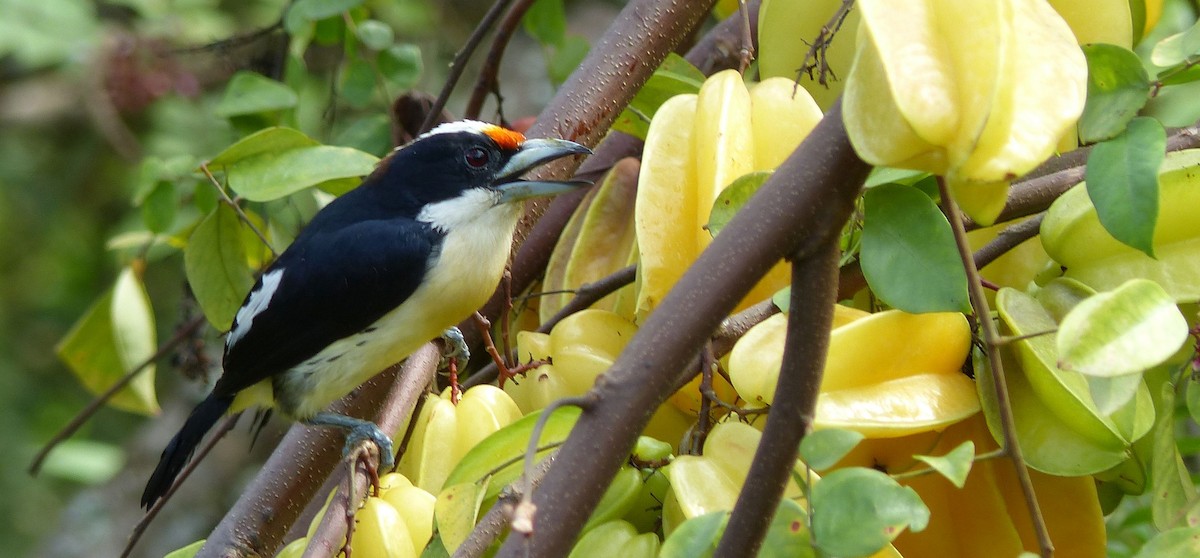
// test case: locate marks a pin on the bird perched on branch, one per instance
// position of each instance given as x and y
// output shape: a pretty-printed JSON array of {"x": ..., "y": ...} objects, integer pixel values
[{"x": 415, "y": 249}]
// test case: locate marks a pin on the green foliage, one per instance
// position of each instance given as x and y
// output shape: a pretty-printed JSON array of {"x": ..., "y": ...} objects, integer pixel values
[
  {"x": 732, "y": 198},
  {"x": 1122, "y": 181},
  {"x": 113, "y": 337},
  {"x": 1118, "y": 87},
  {"x": 822, "y": 449},
  {"x": 955, "y": 465},
  {"x": 857, "y": 511},
  {"x": 675, "y": 76},
  {"x": 696, "y": 537},
  {"x": 215, "y": 261},
  {"x": 276, "y": 162},
  {"x": 908, "y": 254}
]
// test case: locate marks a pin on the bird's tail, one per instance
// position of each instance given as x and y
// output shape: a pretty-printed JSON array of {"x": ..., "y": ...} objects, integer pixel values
[{"x": 177, "y": 453}]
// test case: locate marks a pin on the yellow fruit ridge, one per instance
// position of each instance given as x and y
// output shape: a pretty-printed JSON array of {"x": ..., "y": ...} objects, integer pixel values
[
  {"x": 722, "y": 143},
  {"x": 380, "y": 532},
  {"x": 1100, "y": 21},
  {"x": 666, "y": 201}
]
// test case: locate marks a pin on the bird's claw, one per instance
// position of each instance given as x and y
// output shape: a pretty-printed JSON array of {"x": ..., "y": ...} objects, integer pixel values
[
  {"x": 455, "y": 348},
  {"x": 369, "y": 432}
]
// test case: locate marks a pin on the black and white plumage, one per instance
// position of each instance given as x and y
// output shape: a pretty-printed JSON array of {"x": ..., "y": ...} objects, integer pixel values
[{"x": 416, "y": 248}]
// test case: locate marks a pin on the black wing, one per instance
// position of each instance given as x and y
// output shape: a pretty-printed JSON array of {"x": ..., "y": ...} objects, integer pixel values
[{"x": 336, "y": 281}]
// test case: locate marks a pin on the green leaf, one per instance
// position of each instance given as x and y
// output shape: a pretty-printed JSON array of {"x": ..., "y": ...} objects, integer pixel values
[
  {"x": 188, "y": 551},
  {"x": 456, "y": 510},
  {"x": 955, "y": 465},
  {"x": 372, "y": 134},
  {"x": 546, "y": 22},
  {"x": 401, "y": 65},
  {"x": 696, "y": 537},
  {"x": 788, "y": 533},
  {"x": 1193, "y": 399},
  {"x": 782, "y": 299},
  {"x": 1171, "y": 485},
  {"x": 676, "y": 76},
  {"x": 1118, "y": 88},
  {"x": 1123, "y": 331},
  {"x": 1122, "y": 181},
  {"x": 115, "y": 335},
  {"x": 501, "y": 455},
  {"x": 251, "y": 93},
  {"x": 159, "y": 207},
  {"x": 1177, "y": 48},
  {"x": 215, "y": 262},
  {"x": 857, "y": 511},
  {"x": 277, "y": 162},
  {"x": 889, "y": 175},
  {"x": 566, "y": 58},
  {"x": 357, "y": 83},
  {"x": 313, "y": 10},
  {"x": 908, "y": 254},
  {"x": 732, "y": 198},
  {"x": 822, "y": 449},
  {"x": 1181, "y": 542},
  {"x": 84, "y": 461},
  {"x": 436, "y": 547},
  {"x": 375, "y": 34}
]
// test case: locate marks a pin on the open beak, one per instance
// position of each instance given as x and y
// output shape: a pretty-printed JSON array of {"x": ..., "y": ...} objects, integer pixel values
[{"x": 532, "y": 154}]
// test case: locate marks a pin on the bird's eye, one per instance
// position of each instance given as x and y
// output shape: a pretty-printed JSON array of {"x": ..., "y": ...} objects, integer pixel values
[{"x": 477, "y": 157}]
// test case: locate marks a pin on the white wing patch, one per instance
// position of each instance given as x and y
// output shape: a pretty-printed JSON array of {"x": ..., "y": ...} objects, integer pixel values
[{"x": 259, "y": 299}]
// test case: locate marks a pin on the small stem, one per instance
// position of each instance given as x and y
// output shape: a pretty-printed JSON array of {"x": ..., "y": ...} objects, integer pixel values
[
  {"x": 487, "y": 81},
  {"x": 1005, "y": 340},
  {"x": 746, "y": 52},
  {"x": 1008, "y": 239},
  {"x": 992, "y": 338},
  {"x": 80, "y": 419},
  {"x": 460, "y": 61},
  {"x": 237, "y": 208},
  {"x": 218, "y": 433}
]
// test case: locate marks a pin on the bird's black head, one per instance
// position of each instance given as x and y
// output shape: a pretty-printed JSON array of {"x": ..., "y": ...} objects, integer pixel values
[{"x": 461, "y": 156}]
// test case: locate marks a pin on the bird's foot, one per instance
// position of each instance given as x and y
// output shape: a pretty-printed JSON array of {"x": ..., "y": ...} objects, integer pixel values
[
  {"x": 357, "y": 432},
  {"x": 455, "y": 348}
]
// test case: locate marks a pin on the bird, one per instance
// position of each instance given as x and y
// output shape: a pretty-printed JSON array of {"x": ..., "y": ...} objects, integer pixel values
[{"x": 416, "y": 248}]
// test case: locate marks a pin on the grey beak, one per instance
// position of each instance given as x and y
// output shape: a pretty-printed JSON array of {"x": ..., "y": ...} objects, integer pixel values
[{"x": 532, "y": 154}]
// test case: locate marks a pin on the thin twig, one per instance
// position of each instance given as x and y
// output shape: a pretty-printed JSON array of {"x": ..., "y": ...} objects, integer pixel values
[
  {"x": 704, "y": 419},
  {"x": 460, "y": 60},
  {"x": 219, "y": 432},
  {"x": 82, "y": 417},
  {"x": 585, "y": 296},
  {"x": 487, "y": 81},
  {"x": 746, "y": 50},
  {"x": 817, "y": 58},
  {"x": 1008, "y": 239},
  {"x": 735, "y": 326},
  {"x": 992, "y": 338},
  {"x": 237, "y": 209}
]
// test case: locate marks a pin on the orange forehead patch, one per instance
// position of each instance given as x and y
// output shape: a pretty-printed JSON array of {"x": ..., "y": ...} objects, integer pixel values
[{"x": 505, "y": 138}]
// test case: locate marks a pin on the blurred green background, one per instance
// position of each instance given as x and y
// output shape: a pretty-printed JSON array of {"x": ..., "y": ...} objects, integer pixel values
[{"x": 96, "y": 99}]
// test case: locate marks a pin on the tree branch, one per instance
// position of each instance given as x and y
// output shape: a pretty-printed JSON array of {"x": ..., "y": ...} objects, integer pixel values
[
  {"x": 487, "y": 81},
  {"x": 256, "y": 524},
  {"x": 802, "y": 206},
  {"x": 814, "y": 284}
]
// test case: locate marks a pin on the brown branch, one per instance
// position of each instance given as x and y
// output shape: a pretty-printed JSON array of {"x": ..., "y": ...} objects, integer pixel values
[
  {"x": 796, "y": 212},
  {"x": 1009, "y": 238},
  {"x": 256, "y": 524},
  {"x": 493, "y": 523},
  {"x": 460, "y": 60},
  {"x": 735, "y": 326},
  {"x": 991, "y": 337},
  {"x": 814, "y": 285},
  {"x": 86, "y": 413},
  {"x": 487, "y": 81}
]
